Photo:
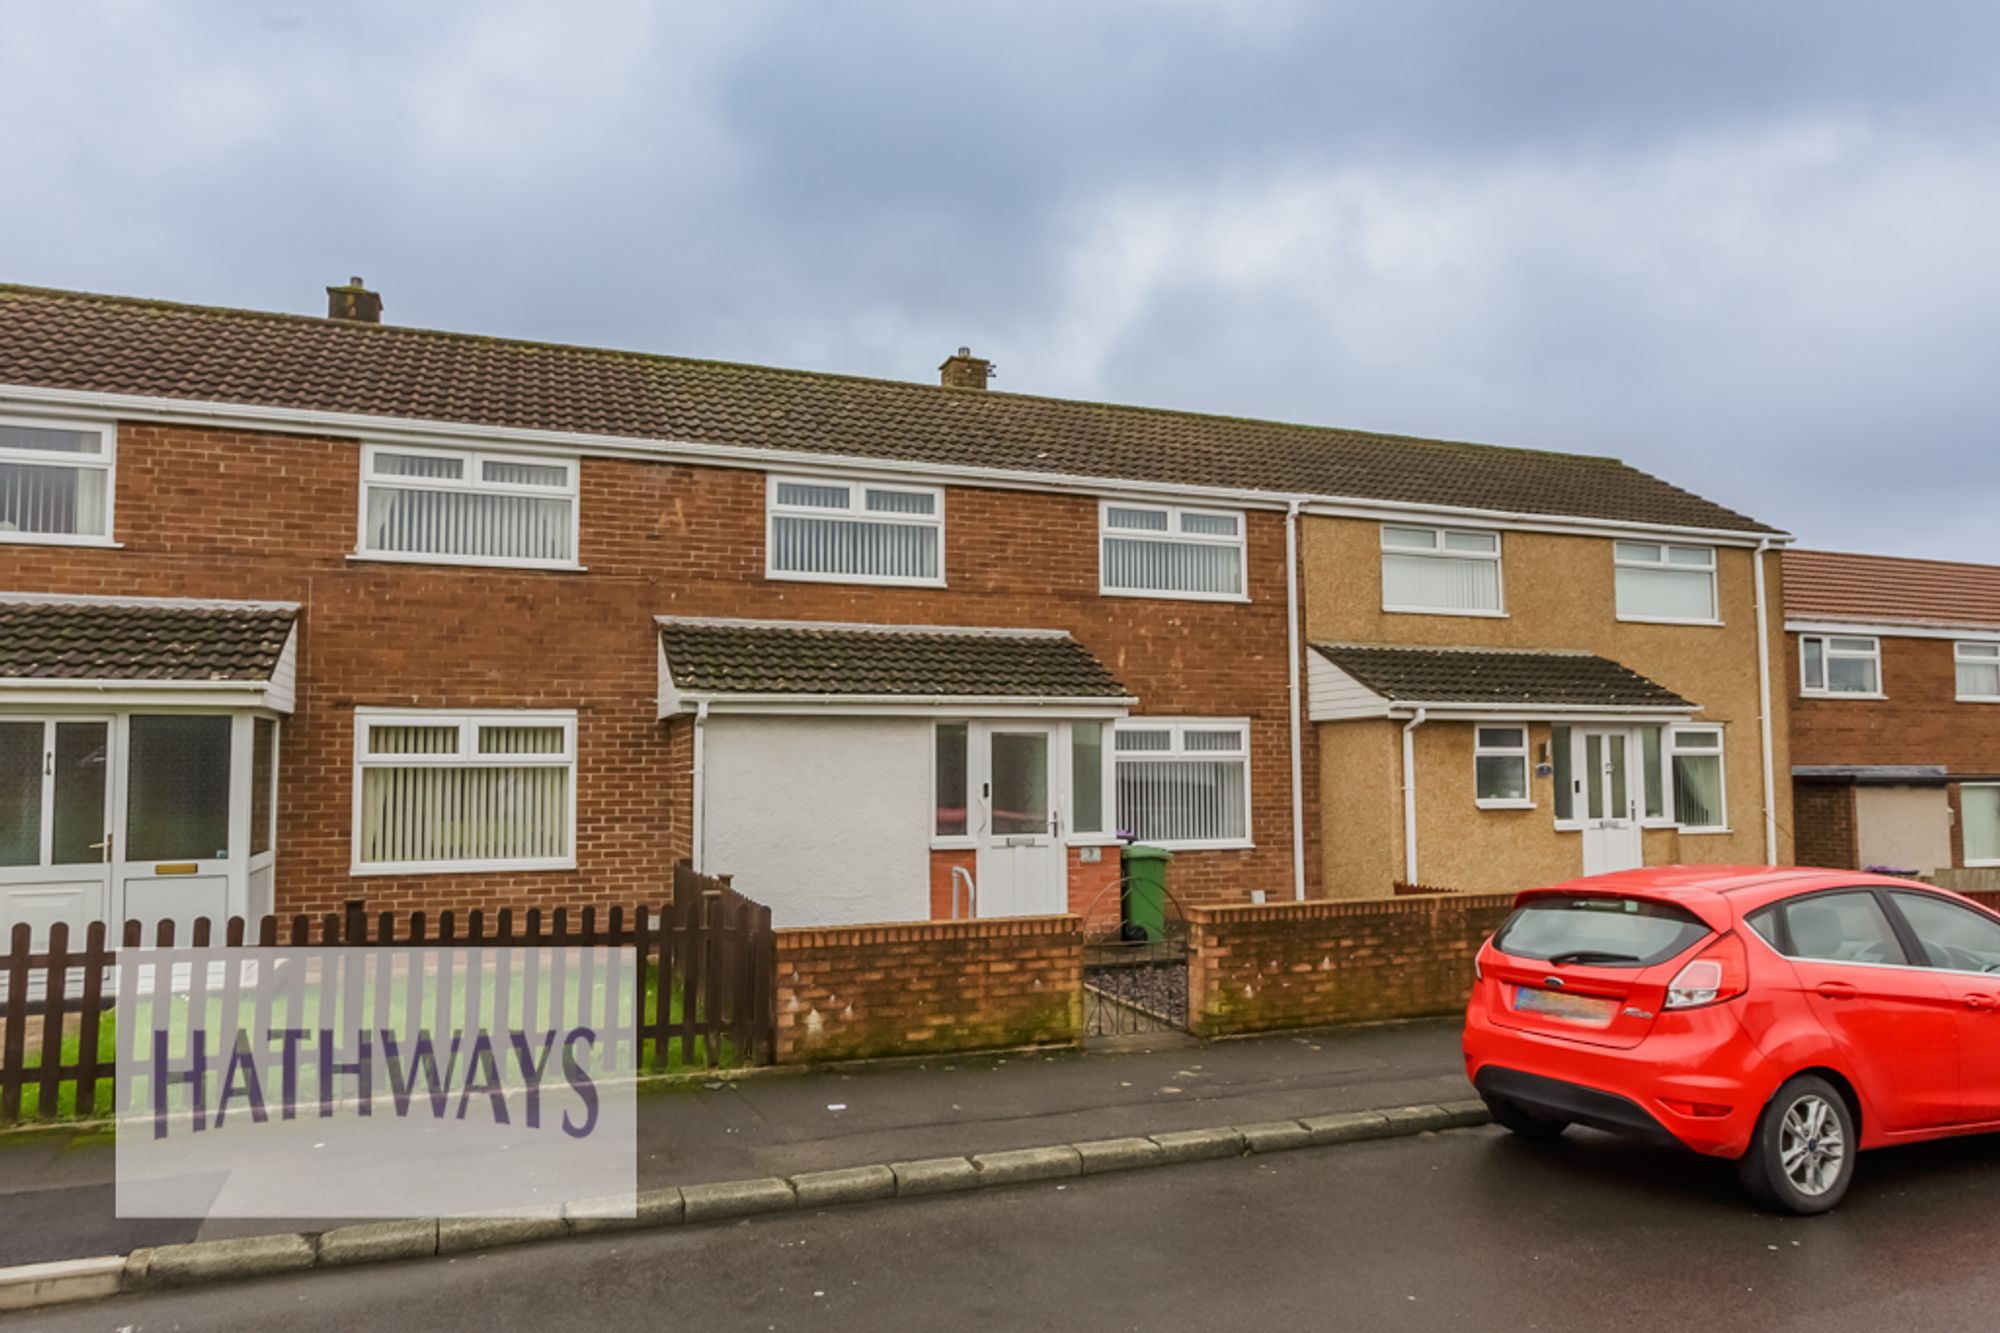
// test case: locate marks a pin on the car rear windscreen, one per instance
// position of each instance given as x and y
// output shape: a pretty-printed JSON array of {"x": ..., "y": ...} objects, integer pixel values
[{"x": 1600, "y": 932}]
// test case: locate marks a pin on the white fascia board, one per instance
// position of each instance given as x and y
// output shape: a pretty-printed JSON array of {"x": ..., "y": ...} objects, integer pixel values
[
  {"x": 170, "y": 603},
  {"x": 1464, "y": 712},
  {"x": 210, "y": 694},
  {"x": 408, "y": 430},
  {"x": 1888, "y": 629},
  {"x": 899, "y": 706},
  {"x": 860, "y": 627}
]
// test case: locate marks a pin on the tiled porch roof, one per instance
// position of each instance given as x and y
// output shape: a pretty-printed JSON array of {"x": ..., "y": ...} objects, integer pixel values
[
  {"x": 101, "y": 639},
  {"x": 737, "y": 657},
  {"x": 1498, "y": 676}
]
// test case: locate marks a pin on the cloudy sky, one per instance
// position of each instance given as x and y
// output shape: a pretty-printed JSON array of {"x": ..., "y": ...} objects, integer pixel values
[{"x": 1750, "y": 247}]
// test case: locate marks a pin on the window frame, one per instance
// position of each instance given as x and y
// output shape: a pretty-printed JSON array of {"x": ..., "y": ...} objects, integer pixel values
[
  {"x": 468, "y": 721},
  {"x": 1670, "y": 747},
  {"x": 1665, "y": 562},
  {"x": 853, "y": 513},
  {"x": 1827, "y": 652},
  {"x": 1177, "y": 729},
  {"x": 1646, "y": 780},
  {"x": 1960, "y": 658},
  {"x": 1438, "y": 551},
  {"x": 1523, "y": 752},
  {"x": 105, "y": 461},
  {"x": 1970, "y": 861},
  {"x": 1176, "y": 516},
  {"x": 475, "y": 460}
]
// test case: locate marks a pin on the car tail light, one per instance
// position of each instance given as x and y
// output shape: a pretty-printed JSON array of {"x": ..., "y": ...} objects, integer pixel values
[{"x": 1720, "y": 972}]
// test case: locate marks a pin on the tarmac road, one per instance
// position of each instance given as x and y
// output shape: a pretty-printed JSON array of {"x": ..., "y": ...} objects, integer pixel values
[{"x": 1465, "y": 1230}]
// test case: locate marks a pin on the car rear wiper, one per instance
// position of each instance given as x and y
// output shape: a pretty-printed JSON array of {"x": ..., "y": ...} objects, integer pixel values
[{"x": 1592, "y": 956}]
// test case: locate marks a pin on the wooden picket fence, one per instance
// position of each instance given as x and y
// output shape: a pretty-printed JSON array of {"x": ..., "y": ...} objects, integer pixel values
[{"x": 710, "y": 952}]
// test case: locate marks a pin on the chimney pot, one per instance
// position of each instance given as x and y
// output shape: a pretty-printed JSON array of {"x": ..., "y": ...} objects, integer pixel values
[
  {"x": 354, "y": 302},
  {"x": 965, "y": 371}
]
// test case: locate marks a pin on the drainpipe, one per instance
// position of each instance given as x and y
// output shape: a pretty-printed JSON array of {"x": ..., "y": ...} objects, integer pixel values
[
  {"x": 1292, "y": 690},
  {"x": 1764, "y": 705},
  {"x": 700, "y": 717},
  {"x": 1410, "y": 798}
]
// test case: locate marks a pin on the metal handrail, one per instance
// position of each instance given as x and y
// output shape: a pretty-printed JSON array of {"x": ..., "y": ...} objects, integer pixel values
[{"x": 971, "y": 893}]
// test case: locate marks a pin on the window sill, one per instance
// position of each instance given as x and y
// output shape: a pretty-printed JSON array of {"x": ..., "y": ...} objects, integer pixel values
[
  {"x": 1839, "y": 694},
  {"x": 1434, "y": 611},
  {"x": 1703, "y": 832},
  {"x": 1197, "y": 846},
  {"x": 1977, "y": 699},
  {"x": 464, "y": 562},
  {"x": 461, "y": 867},
  {"x": 1504, "y": 805},
  {"x": 35, "y": 539},
  {"x": 1225, "y": 597},
  {"x": 1669, "y": 620},
  {"x": 862, "y": 580},
  {"x": 954, "y": 843}
]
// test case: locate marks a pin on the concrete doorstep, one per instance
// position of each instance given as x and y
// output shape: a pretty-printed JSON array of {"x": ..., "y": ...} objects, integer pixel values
[{"x": 32, "y": 1285}]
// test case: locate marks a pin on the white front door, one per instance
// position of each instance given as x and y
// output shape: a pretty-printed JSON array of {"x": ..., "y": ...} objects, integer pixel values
[
  {"x": 173, "y": 831},
  {"x": 1609, "y": 802},
  {"x": 1021, "y": 867},
  {"x": 55, "y": 781}
]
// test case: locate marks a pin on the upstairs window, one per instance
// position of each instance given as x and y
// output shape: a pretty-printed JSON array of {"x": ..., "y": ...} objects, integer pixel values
[
  {"x": 458, "y": 507},
  {"x": 1840, "y": 664},
  {"x": 1184, "y": 784},
  {"x": 1660, "y": 582},
  {"x": 1167, "y": 551},
  {"x": 464, "y": 791},
  {"x": 55, "y": 481},
  {"x": 1978, "y": 671},
  {"x": 1440, "y": 570},
  {"x": 854, "y": 532}
]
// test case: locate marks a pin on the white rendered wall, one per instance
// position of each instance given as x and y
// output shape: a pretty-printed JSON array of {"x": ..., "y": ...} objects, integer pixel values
[{"x": 826, "y": 821}]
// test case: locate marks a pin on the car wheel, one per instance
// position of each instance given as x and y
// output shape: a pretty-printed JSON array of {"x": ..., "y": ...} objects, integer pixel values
[
  {"x": 1801, "y": 1158},
  {"x": 1520, "y": 1120}
]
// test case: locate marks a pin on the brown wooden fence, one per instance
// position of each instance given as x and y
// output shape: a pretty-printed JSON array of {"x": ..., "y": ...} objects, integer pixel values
[{"x": 710, "y": 953}]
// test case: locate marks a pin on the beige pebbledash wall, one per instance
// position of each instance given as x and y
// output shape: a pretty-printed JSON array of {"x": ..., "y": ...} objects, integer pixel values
[{"x": 1559, "y": 594}]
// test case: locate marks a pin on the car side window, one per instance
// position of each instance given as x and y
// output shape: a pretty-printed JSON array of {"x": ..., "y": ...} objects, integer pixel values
[
  {"x": 1841, "y": 928},
  {"x": 1955, "y": 937}
]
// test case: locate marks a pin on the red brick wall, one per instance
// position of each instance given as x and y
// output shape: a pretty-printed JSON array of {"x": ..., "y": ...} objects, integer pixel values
[
  {"x": 1824, "y": 829},
  {"x": 1291, "y": 965},
  {"x": 228, "y": 514},
  {"x": 853, "y": 992},
  {"x": 1920, "y": 722}
]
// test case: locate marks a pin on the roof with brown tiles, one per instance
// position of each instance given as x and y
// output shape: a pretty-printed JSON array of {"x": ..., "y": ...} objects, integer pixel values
[
  {"x": 1832, "y": 585},
  {"x": 773, "y": 657},
  {"x": 122, "y": 345},
  {"x": 1498, "y": 676},
  {"x": 106, "y": 640}
]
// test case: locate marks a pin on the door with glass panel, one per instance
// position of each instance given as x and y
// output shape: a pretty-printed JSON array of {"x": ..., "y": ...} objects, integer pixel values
[
  {"x": 1607, "y": 799},
  {"x": 1020, "y": 857},
  {"x": 55, "y": 780},
  {"x": 171, "y": 834}
]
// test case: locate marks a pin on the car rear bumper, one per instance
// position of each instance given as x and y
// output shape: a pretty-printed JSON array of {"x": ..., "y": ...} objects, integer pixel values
[{"x": 1697, "y": 1081}]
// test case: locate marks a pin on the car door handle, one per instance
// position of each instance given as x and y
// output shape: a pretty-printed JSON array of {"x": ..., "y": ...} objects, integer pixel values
[
  {"x": 1981, "y": 1002},
  {"x": 1837, "y": 990}
]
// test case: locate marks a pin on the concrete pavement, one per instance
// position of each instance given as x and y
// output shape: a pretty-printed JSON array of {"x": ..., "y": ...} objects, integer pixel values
[{"x": 1464, "y": 1230}]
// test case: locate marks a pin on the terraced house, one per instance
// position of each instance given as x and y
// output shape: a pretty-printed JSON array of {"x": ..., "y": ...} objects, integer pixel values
[{"x": 298, "y": 611}]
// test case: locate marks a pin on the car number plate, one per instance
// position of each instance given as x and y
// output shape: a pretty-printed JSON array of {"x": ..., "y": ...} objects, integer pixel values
[{"x": 1586, "y": 1010}]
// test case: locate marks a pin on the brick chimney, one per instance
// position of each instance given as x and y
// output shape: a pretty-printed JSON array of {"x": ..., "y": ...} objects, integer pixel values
[
  {"x": 354, "y": 302},
  {"x": 965, "y": 371}
]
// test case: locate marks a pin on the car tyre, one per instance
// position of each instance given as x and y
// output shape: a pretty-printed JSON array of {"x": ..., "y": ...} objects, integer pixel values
[
  {"x": 1519, "y": 1120},
  {"x": 1801, "y": 1157}
]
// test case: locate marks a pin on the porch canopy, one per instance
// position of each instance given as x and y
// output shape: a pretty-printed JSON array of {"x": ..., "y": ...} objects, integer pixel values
[
  {"x": 1349, "y": 681},
  {"x": 106, "y": 651},
  {"x": 771, "y": 666}
]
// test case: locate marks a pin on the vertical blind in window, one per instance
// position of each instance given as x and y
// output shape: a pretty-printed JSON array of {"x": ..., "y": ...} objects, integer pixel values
[
  {"x": 1163, "y": 550},
  {"x": 1697, "y": 768},
  {"x": 470, "y": 507},
  {"x": 1659, "y": 582},
  {"x": 444, "y": 792},
  {"x": 1183, "y": 784},
  {"x": 55, "y": 481},
  {"x": 1439, "y": 569},
  {"x": 835, "y": 530},
  {"x": 1979, "y": 809},
  {"x": 1978, "y": 670}
]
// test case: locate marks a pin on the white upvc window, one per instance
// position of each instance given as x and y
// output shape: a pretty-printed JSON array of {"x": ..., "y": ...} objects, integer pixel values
[
  {"x": 466, "y": 507},
  {"x": 833, "y": 531},
  {"x": 57, "y": 481},
  {"x": 1500, "y": 768},
  {"x": 1183, "y": 784},
  {"x": 1979, "y": 820},
  {"x": 1840, "y": 664},
  {"x": 1441, "y": 571},
  {"x": 1657, "y": 581},
  {"x": 1147, "y": 550},
  {"x": 1694, "y": 761},
  {"x": 439, "y": 791},
  {"x": 1978, "y": 671}
]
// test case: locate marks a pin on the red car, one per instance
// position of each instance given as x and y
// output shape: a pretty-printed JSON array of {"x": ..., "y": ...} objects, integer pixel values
[{"x": 1781, "y": 1018}]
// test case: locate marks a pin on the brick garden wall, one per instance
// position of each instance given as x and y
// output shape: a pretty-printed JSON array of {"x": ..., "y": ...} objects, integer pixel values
[
  {"x": 1253, "y": 969},
  {"x": 1824, "y": 829},
  {"x": 921, "y": 988}
]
